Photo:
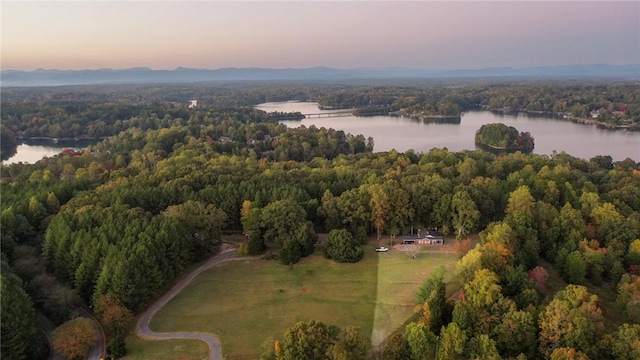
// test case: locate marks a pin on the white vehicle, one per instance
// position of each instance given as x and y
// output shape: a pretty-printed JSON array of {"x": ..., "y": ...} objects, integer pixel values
[{"x": 382, "y": 249}]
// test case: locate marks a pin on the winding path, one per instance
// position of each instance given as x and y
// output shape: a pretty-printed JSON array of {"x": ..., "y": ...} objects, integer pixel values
[
  {"x": 142, "y": 327},
  {"x": 99, "y": 347}
]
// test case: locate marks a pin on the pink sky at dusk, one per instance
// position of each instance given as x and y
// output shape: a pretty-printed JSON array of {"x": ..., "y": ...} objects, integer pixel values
[{"x": 422, "y": 34}]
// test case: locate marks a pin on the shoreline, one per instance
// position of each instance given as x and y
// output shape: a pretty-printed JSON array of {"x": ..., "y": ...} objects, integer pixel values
[
  {"x": 53, "y": 139},
  {"x": 571, "y": 118},
  {"x": 506, "y": 148}
]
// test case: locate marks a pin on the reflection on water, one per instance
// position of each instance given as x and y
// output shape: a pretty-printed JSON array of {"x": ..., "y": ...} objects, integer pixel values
[
  {"x": 403, "y": 133},
  {"x": 421, "y": 135},
  {"x": 32, "y": 151},
  {"x": 453, "y": 120}
]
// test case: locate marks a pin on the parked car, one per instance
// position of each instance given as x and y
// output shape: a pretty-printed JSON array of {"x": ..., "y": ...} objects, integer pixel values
[{"x": 382, "y": 249}]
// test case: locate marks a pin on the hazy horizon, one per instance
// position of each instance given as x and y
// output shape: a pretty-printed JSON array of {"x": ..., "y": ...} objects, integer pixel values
[{"x": 343, "y": 35}]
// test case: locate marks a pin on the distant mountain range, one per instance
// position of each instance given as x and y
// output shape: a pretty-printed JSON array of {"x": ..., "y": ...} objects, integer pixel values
[{"x": 42, "y": 77}]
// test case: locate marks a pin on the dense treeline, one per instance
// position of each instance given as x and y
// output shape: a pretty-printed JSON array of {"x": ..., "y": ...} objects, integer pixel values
[
  {"x": 128, "y": 215},
  {"x": 8, "y": 143},
  {"x": 617, "y": 104},
  {"x": 19, "y": 334},
  {"x": 388, "y": 192},
  {"x": 91, "y": 120},
  {"x": 505, "y": 311},
  {"x": 95, "y": 112}
]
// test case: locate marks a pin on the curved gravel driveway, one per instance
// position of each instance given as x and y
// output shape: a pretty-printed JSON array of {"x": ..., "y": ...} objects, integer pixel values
[{"x": 142, "y": 327}]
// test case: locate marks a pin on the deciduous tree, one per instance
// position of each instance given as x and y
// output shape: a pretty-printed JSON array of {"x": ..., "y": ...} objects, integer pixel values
[
  {"x": 539, "y": 275},
  {"x": 432, "y": 294},
  {"x": 203, "y": 222},
  {"x": 307, "y": 340},
  {"x": 469, "y": 264},
  {"x": 516, "y": 334},
  {"x": 465, "y": 214},
  {"x": 452, "y": 342},
  {"x": 625, "y": 344},
  {"x": 482, "y": 347},
  {"x": 572, "y": 319},
  {"x": 568, "y": 353},
  {"x": 350, "y": 345},
  {"x": 74, "y": 338},
  {"x": 421, "y": 341},
  {"x": 112, "y": 314},
  {"x": 379, "y": 208},
  {"x": 342, "y": 247},
  {"x": 628, "y": 299}
]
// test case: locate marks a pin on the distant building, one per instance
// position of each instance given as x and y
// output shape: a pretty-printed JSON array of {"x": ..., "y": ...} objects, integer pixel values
[
  {"x": 193, "y": 103},
  {"x": 70, "y": 151},
  {"x": 424, "y": 237}
]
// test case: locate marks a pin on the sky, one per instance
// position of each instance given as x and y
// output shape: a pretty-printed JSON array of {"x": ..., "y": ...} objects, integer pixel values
[{"x": 339, "y": 34}]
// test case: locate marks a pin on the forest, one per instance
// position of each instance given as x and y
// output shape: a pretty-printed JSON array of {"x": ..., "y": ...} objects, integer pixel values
[
  {"x": 115, "y": 225},
  {"x": 96, "y": 112}
]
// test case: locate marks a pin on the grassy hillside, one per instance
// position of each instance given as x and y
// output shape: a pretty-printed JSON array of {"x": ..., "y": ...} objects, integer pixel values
[{"x": 245, "y": 302}]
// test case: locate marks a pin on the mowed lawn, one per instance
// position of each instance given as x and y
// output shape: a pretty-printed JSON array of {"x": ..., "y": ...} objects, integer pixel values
[
  {"x": 140, "y": 349},
  {"x": 399, "y": 278},
  {"x": 245, "y": 302}
]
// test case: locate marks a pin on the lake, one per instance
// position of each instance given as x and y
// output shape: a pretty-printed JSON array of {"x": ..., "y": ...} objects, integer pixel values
[
  {"x": 33, "y": 150},
  {"x": 403, "y": 133}
]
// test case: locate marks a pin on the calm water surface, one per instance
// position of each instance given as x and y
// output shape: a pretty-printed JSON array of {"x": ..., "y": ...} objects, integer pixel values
[
  {"x": 32, "y": 153},
  {"x": 38, "y": 149},
  {"x": 402, "y": 134}
]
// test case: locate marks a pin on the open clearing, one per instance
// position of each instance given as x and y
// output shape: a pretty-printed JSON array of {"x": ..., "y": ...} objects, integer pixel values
[
  {"x": 245, "y": 302},
  {"x": 399, "y": 277},
  {"x": 139, "y": 349}
]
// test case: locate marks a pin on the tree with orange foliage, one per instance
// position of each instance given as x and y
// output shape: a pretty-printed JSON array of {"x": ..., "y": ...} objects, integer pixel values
[
  {"x": 425, "y": 313},
  {"x": 115, "y": 318},
  {"x": 461, "y": 247},
  {"x": 431, "y": 298},
  {"x": 74, "y": 338},
  {"x": 112, "y": 314},
  {"x": 573, "y": 319},
  {"x": 496, "y": 257}
]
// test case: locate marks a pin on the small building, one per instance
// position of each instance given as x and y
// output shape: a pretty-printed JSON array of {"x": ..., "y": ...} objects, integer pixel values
[
  {"x": 70, "y": 151},
  {"x": 424, "y": 237},
  {"x": 193, "y": 103}
]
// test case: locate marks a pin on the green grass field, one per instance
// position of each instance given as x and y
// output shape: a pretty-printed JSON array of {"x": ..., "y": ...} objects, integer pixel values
[
  {"x": 245, "y": 302},
  {"x": 399, "y": 277},
  {"x": 139, "y": 349}
]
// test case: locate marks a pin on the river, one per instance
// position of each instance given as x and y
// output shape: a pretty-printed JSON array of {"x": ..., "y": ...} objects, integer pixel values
[{"x": 403, "y": 133}]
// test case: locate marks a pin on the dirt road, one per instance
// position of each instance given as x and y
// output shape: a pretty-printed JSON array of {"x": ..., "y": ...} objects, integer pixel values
[{"x": 142, "y": 327}]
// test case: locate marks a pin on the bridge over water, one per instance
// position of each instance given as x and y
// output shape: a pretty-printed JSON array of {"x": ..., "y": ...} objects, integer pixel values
[{"x": 340, "y": 113}]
